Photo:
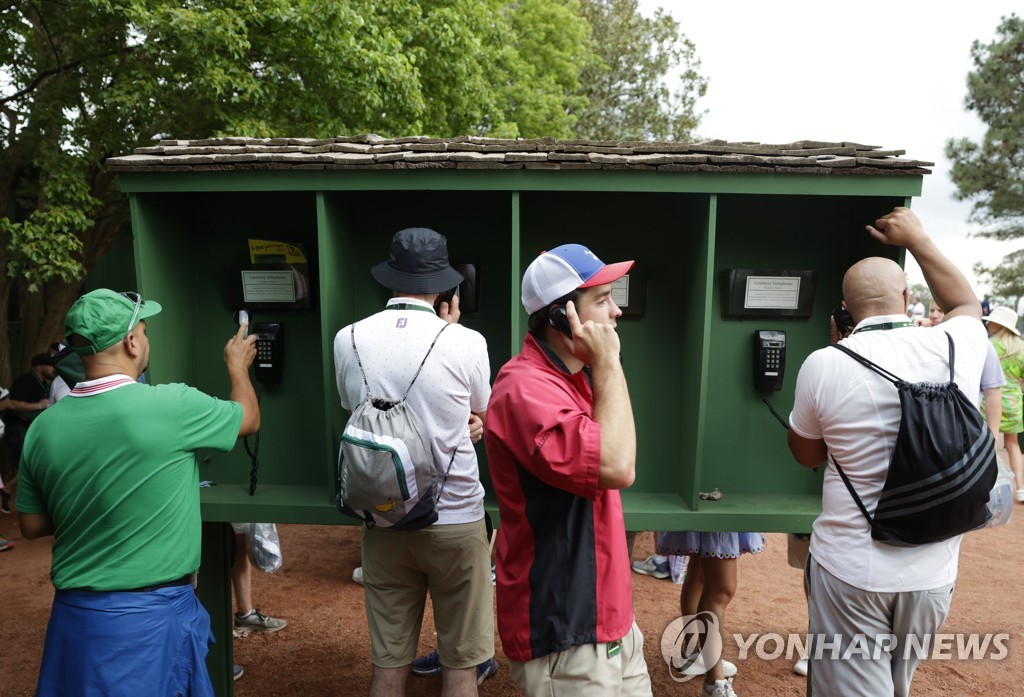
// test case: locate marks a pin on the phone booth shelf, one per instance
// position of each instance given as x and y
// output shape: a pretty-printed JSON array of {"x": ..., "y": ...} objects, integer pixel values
[{"x": 688, "y": 213}]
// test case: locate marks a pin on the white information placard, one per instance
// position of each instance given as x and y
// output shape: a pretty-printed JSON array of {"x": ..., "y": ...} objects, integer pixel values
[
  {"x": 772, "y": 293},
  {"x": 268, "y": 286},
  {"x": 620, "y": 291}
]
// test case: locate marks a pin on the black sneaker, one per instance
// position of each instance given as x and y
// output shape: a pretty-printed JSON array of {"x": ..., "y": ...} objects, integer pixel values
[
  {"x": 486, "y": 670},
  {"x": 5, "y": 502},
  {"x": 428, "y": 665}
]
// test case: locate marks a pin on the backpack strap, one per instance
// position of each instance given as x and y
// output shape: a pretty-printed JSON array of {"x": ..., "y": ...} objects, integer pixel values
[
  {"x": 895, "y": 380},
  {"x": 409, "y": 388},
  {"x": 853, "y": 493},
  {"x": 891, "y": 377},
  {"x": 952, "y": 354},
  {"x": 362, "y": 373},
  {"x": 455, "y": 450},
  {"x": 444, "y": 481}
]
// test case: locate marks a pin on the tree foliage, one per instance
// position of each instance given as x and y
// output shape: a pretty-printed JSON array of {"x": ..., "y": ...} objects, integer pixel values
[
  {"x": 628, "y": 96},
  {"x": 991, "y": 173},
  {"x": 1007, "y": 278},
  {"x": 83, "y": 81}
]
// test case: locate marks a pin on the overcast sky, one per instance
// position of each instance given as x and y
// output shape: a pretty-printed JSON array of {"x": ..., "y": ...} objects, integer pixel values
[{"x": 890, "y": 73}]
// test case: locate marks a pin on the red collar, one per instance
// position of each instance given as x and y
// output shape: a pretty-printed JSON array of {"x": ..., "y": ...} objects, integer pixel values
[{"x": 88, "y": 388}]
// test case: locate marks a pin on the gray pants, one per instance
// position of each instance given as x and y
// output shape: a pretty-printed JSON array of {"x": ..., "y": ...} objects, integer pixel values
[{"x": 866, "y": 644}]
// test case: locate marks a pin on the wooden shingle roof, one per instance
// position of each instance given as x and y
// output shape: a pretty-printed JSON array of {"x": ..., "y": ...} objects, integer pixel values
[{"x": 373, "y": 152}]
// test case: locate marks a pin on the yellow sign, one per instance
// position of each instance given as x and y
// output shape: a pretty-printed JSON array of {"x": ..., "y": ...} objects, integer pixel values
[{"x": 275, "y": 252}]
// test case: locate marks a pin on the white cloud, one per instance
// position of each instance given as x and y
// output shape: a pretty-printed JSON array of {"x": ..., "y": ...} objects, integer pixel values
[{"x": 890, "y": 73}]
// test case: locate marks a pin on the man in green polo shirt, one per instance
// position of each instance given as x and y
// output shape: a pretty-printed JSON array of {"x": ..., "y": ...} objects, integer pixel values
[{"x": 110, "y": 471}]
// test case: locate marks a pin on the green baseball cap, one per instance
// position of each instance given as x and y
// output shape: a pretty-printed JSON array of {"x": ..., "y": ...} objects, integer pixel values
[{"x": 105, "y": 317}]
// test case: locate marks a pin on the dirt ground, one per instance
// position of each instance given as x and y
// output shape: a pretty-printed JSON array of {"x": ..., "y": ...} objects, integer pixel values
[{"x": 324, "y": 650}]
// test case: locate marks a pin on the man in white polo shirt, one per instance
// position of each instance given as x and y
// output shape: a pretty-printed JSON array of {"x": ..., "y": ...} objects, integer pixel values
[
  {"x": 861, "y": 590},
  {"x": 452, "y": 556}
]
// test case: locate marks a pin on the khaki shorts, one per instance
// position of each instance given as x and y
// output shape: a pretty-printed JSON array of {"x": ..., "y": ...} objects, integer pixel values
[
  {"x": 453, "y": 563},
  {"x": 797, "y": 549},
  {"x": 587, "y": 669}
]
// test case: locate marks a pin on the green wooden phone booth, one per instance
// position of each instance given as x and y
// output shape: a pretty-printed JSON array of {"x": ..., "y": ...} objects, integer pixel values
[{"x": 705, "y": 222}]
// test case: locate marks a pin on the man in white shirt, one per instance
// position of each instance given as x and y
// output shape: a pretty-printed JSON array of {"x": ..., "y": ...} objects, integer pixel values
[
  {"x": 452, "y": 556},
  {"x": 867, "y": 597}
]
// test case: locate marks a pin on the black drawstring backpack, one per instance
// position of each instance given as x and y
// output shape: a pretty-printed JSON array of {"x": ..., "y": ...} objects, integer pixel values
[{"x": 942, "y": 468}]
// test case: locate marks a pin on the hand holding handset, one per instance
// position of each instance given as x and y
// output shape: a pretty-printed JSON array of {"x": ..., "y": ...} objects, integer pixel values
[
  {"x": 589, "y": 341},
  {"x": 446, "y": 305},
  {"x": 240, "y": 350},
  {"x": 269, "y": 362},
  {"x": 242, "y": 316}
]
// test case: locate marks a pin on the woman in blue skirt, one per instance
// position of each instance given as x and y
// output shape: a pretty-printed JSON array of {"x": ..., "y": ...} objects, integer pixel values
[{"x": 709, "y": 587}]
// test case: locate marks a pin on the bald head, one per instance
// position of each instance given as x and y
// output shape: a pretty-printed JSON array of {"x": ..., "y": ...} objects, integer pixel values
[{"x": 875, "y": 286}]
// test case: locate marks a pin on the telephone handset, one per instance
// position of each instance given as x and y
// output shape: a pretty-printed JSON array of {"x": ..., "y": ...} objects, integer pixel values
[
  {"x": 844, "y": 322},
  {"x": 560, "y": 320},
  {"x": 269, "y": 363},
  {"x": 769, "y": 359},
  {"x": 445, "y": 297}
]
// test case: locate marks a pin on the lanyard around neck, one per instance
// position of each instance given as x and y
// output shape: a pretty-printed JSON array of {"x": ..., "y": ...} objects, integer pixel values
[
  {"x": 410, "y": 306},
  {"x": 883, "y": 325}
]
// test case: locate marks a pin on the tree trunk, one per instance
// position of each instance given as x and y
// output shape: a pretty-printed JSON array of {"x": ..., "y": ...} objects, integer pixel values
[
  {"x": 43, "y": 321},
  {"x": 5, "y": 344},
  {"x": 43, "y": 318},
  {"x": 33, "y": 309}
]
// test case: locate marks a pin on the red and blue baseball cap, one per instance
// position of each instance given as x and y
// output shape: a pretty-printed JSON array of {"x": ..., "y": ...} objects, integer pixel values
[{"x": 564, "y": 269}]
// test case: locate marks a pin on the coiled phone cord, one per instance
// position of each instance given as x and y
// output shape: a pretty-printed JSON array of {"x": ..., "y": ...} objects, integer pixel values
[
  {"x": 785, "y": 424},
  {"x": 782, "y": 421},
  {"x": 254, "y": 452}
]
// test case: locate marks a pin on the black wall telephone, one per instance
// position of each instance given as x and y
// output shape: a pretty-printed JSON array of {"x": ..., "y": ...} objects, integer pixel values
[
  {"x": 269, "y": 363},
  {"x": 769, "y": 359},
  {"x": 560, "y": 320}
]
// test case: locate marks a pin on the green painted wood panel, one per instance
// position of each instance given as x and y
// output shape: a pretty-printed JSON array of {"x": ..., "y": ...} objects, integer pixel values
[
  {"x": 745, "y": 452},
  {"x": 188, "y": 250},
  {"x": 522, "y": 180},
  {"x": 700, "y": 424}
]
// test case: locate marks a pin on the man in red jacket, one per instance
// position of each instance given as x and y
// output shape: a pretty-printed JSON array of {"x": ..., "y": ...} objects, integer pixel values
[{"x": 560, "y": 443}]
